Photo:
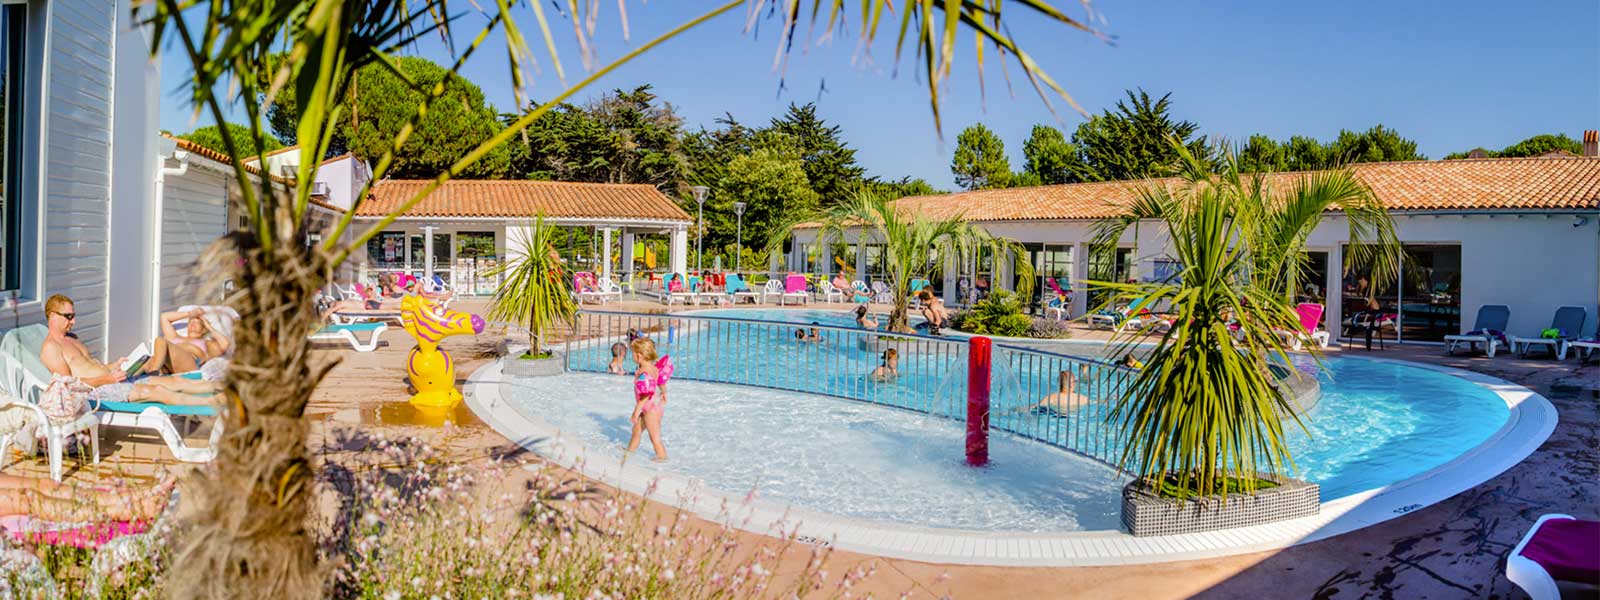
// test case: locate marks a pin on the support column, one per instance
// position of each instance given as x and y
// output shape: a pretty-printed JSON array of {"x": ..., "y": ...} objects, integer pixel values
[
  {"x": 952, "y": 272},
  {"x": 427, "y": 252},
  {"x": 861, "y": 256},
  {"x": 627, "y": 252},
  {"x": 825, "y": 257},
  {"x": 680, "y": 250},
  {"x": 1333, "y": 293},
  {"x": 605, "y": 253},
  {"x": 1080, "y": 274}
]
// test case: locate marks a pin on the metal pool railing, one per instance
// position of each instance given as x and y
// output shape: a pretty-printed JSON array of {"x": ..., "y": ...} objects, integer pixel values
[{"x": 1023, "y": 397}]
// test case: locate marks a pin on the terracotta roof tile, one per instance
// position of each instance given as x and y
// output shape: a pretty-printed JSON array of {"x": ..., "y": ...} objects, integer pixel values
[
  {"x": 219, "y": 157},
  {"x": 523, "y": 198},
  {"x": 1552, "y": 183}
]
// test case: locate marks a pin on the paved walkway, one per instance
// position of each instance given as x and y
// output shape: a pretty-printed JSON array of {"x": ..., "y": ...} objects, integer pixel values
[{"x": 1450, "y": 550}]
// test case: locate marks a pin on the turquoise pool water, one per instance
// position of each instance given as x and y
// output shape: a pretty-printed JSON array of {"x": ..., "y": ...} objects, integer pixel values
[{"x": 1377, "y": 423}]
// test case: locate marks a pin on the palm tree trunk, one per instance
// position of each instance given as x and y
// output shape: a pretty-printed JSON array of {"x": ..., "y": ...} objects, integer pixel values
[
  {"x": 899, "y": 320},
  {"x": 248, "y": 532}
]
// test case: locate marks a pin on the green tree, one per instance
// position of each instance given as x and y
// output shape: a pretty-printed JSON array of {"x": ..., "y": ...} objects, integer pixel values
[
  {"x": 980, "y": 159},
  {"x": 1132, "y": 141},
  {"x": 830, "y": 164},
  {"x": 771, "y": 181},
  {"x": 379, "y": 103},
  {"x": 1260, "y": 153},
  {"x": 625, "y": 136},
  {"x": 262, "y": 469},
  {"x": 1206, "y": 407},
  {"x": 1049, "y": 158},
  {"x": 1533, "y": 146},
  {"x": 1379, "y": 144},
  {"x": 210, "y": 137},
  {"x": 900, "y": 188}
]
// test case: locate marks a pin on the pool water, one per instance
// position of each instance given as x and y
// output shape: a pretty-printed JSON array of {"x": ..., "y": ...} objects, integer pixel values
[
  {"x": 836, "y": 456},
  {"x": 893, "y": 451}
]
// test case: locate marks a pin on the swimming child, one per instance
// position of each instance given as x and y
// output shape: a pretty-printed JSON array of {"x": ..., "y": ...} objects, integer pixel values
[
  {"x": 889, "y": 369},
  {"x": 801, "y": 336},
  {"x": 1130, "y": 362},
  {"x": 863, "y": 320},
  {"x": 618, "y": 351},
  {"x": 633, "y": 334},
  {"x": 650, "y": 395}
]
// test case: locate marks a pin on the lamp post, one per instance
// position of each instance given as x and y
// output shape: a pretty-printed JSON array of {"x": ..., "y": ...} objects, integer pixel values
[
  {"x": 700, "y": 222},
  {"x": 738, "y": 235}
]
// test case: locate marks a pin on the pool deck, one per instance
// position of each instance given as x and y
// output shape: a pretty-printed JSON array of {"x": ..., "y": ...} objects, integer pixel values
[{"x": 1451, "y": 549}]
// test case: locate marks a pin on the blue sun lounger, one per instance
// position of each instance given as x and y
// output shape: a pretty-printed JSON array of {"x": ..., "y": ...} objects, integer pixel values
[
  {"x": 347, "y": 333},
  {"x": 157, "y": 416}
]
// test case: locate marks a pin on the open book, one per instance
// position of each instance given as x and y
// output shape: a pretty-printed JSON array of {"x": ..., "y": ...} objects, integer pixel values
[{"x": 137, "y": 358}]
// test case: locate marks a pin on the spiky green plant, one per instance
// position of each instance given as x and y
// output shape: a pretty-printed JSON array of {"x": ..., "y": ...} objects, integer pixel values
[
  {"x": 535, "y": 291},
  {"x": 1206, "y": 407},
  {"x": 249, "y": 537}
]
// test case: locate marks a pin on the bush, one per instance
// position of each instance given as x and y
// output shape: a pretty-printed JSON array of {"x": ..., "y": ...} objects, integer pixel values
[
  {"x": 1048, "y": 329},
  {"x": 998, "y": 314}
]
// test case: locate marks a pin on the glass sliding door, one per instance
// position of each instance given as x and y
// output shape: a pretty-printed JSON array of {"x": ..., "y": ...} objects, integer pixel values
[
  {"x": 1430, "y": 292},
  {"x": 475, "y": 254},
  {"x": 1052, "y": 264}
]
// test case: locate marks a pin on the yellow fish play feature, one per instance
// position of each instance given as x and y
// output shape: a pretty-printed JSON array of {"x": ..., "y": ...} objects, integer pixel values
[{"x": 431, "y": 370}]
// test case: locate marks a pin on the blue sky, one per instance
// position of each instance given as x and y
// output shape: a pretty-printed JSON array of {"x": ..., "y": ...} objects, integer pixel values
[{"x": 1450, "y": 75}]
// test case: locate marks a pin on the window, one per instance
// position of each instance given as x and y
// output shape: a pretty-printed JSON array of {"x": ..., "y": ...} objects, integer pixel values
[
  {"x": 1053, "y": 265},
  {"x": 13, "y": 77},
  {"x": 1425, "y": 304},
  {"x": 387, "y": 250}
]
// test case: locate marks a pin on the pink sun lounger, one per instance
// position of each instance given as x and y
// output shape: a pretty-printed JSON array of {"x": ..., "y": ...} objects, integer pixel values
[{"x": 1557, "y": 548}]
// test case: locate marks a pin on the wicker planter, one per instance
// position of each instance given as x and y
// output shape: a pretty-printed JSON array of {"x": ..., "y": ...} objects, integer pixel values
[
  {"x": 517, "y": 366},
  {"x": 1146, "y": 514}
]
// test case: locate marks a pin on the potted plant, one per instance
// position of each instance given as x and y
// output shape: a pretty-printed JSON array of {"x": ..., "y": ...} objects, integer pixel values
[
  {"x": 536, "y": 293},
  {"x": 1204, "y": 419}
]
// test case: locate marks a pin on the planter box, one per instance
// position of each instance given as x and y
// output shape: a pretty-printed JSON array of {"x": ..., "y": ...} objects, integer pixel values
[
  {"x": 516, "y": 366},
  {"x": 1146, "y": 514}
]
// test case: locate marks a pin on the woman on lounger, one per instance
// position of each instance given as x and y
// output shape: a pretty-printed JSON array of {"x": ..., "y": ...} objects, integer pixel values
[
  {"x": 176, "y": 352},
  {"x": 389, "y": 294}
]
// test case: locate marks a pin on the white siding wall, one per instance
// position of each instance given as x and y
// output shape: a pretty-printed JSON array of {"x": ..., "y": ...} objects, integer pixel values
[
  {"x": 77, "y": 180},
  {"x": 194, "y": 214}
]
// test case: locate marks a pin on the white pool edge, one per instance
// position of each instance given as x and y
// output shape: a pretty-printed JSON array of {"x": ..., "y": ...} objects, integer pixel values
[{"x": 1532, "y": 419}]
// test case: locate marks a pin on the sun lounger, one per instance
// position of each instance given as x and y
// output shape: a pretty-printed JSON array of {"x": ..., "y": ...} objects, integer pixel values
[
  {"x": 1119, "y": 319},
  {"x": 739, "y": 289},
  {"x": 678, "y": 289},
  {"x": 1567, "y": 321},
  {"x": 1488, "y": 329},
  {"x": 25, "y": 378},
  {"x": 1586, "y": 348},
  {"x": 794, "y": 288},
  {"x": 347, "y": 333},
  {"x": 158, "y": 417},
  {"x": 1557, "y": 548},
  {"x": 604, "y": 290},
  {"x": 348, "y": 317},
  {"x": 1310, "y": 327}
]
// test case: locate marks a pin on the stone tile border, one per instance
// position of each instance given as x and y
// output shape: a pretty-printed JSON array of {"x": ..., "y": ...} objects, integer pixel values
[{"x": 1531, "y": 421}]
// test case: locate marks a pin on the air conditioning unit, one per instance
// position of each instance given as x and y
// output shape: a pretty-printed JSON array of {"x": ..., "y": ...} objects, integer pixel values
[{"x": 320, "y": 188}]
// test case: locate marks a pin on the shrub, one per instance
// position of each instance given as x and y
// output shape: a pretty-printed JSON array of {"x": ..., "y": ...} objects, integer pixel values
[
  {"x": 998, "y": 314},
  {"x": 1048, "y": 329}
]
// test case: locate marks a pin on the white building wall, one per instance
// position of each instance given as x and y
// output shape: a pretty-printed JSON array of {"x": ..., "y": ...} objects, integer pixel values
[
  {"x": 194, "y": 214},
  {"x": 77, "y": 154},
  {"x": 135, "y": 120}
]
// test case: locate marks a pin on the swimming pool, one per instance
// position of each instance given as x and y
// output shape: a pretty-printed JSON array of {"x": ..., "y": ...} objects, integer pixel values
[{"x": 1377, "y": 423}]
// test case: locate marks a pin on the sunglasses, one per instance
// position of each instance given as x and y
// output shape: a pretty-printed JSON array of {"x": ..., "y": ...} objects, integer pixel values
[{"x": 68, "y": 316}]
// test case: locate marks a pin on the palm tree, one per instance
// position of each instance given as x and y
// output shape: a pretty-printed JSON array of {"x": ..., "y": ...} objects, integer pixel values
[
  {"x": 535, "y": 291},
  {"x": 1206, "y": 409},
  {"x": 913, "y": 245},
  {"x": 249, "y": 534}
]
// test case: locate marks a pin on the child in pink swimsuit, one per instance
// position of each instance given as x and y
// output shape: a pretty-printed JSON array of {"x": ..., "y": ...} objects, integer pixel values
[{"x": 650, "y": 395}]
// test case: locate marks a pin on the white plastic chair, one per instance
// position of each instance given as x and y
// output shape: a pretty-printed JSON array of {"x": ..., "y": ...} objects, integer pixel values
[
  {"x": 772, "y": 289},
  {"x": 26, "y": 387}
]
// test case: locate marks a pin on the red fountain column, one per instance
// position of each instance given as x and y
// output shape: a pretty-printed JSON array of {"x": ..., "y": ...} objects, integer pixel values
[{"x": 978, "y": 352}]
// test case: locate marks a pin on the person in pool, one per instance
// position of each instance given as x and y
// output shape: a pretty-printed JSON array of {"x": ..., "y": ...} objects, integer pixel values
[
  {"x": 889, "y": 369},
  {"x": 619, "y": 351},
  {"x": 1130, "y": 362},
  {"x": 933, "y": 310},
  {"x": 649, "y": 395},
  {"x": 863, "y": 320},
  {"x": 1066, "y": 397}
]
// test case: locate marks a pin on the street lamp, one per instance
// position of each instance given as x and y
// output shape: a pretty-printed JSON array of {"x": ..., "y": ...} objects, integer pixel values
[
  {"x": 700, "y": 223},
  {"x": 738, "y": 235}
]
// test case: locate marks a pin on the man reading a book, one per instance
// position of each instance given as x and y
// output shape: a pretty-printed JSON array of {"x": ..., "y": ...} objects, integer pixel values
[{"x": 65, "y": 355}]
